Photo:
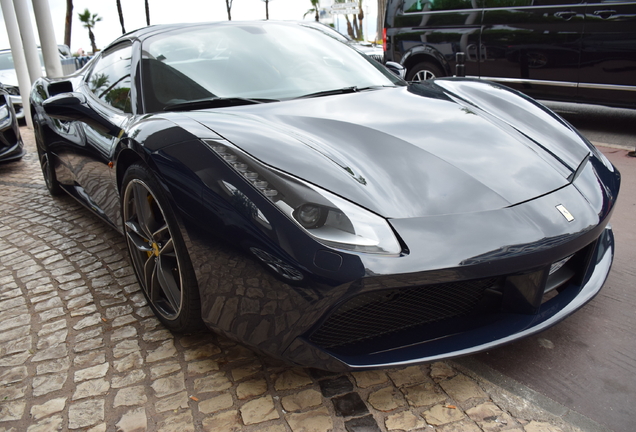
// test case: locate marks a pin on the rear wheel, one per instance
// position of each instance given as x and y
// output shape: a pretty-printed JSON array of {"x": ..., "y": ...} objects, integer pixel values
[
  {"x": 48, "y": 172},
  {"x": 158, "y": 252},
  {"x": 424, "y": 71}
]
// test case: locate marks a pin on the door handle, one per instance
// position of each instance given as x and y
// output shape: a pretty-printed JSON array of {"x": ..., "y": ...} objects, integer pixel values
[
  {"x": 566, "y": 15},
  {"x": 605, "y": 14}
]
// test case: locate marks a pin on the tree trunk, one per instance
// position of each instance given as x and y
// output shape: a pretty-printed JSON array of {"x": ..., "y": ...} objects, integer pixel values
[
  {"x": 91, "y": 36},
  {"x": 317, "y": 13},
  {"x": 381, "y": 16},
  {"x": 68, "y": 22},
  {"x": 350, "y": 28},
  {"x": 266, "y": 9},
  {"x": 121, "y": 17},
  {"x": 147, "y": 12},
  {"x": 228, "y": 5}
]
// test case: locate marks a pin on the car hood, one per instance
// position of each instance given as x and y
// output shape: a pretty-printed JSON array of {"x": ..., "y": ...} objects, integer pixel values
[{"x": 453, "y": 146}]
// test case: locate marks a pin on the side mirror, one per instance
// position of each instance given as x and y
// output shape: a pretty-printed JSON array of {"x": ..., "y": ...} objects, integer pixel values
[
  {"x": 396, "y": 69},
  {"x": 74, "y": 107}
]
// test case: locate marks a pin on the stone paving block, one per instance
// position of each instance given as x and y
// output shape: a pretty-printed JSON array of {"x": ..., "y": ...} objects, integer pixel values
[
  {"x": 172, "y": 402},
  {"x": 48, "y": 383},
  {"x": 407, "y": 376},
  {"x": 441, "y": 414},
  {"x": 131, "y": 361},
  {"x": 362, "y": 424},
  {"x": 85, "y": 413},
  {"x": 404, "y": 421},
  {"x": 163, "y": 369},
  {"x": 348, "y": 405},
  {"x": 251, "y": 388},
  {"x": 216, "y": 403},
  {"x": 246, "y": 371},
  {"x": 367, "y": 379},
  {"x": 227, "y": 421},
  {"x": 165, "y": 351},
  {"x": 386, "y": 399},
  {"x": 335, "y": 386},
  {"x": 168, "y": 385},
  {"x": 317, "y": 420},
  {"x": 423, "y": 395},
  {"x": 48, "y": 408},
  {"x": 213, "y": 383},
  {"x": 292, "y": 379},
  {"x": 134, "y": 420},
  {"x": 96, "y": 387},
  {"x": 441, "y": 371},
  {"x": 302, "y": 400},
  {"x": 92, "y": 372},
  {"x": 13, "y": 375},
  {"x": 130, "y": 396},
  {"x": 462, "y": 426},
  {"x": 461, "y": 389},
  {"x": 129, "y": 379},
  {"x": 47, "y": 425},
  {"x": 182, "y": 422},
  {"x": 201, "y": 353},
  {"x": 202, "y": 367},
  {"x": 12, "y": 410},
  {"x": 259, "y": 411}
]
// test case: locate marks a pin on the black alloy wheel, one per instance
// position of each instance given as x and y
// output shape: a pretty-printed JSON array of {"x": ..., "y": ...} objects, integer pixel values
[
  {"x": 158, "y": 252},
  {"x": 48, "y": 172}
]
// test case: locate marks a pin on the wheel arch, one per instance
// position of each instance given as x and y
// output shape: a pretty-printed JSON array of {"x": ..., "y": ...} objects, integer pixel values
[{"x": 425, "y": 54}]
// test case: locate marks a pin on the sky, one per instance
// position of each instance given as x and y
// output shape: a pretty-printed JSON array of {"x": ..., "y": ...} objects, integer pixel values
[{"x": 169, "y": 12}]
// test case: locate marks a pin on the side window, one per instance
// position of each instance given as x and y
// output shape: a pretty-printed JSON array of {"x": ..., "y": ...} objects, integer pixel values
[
  {"x": 410, "y": 6},
  {"x": 517, "y": 3},
  {"x": 110, "y": 78}
]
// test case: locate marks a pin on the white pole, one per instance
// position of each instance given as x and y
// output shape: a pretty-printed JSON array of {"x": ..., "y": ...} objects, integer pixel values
[
  {"x": 52, "y": 62},
  {"x": 17, "y": 51},
  {"x": 28, "y": 39}
]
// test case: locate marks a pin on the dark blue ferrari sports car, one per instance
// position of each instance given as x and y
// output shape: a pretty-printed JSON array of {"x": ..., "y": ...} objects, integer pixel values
[{"x": 291, "y": 193}]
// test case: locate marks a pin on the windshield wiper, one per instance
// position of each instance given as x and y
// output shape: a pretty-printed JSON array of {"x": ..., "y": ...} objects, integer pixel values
[
  {"x": 344, "y": 90},
  {"x": 217, "y": 102}
]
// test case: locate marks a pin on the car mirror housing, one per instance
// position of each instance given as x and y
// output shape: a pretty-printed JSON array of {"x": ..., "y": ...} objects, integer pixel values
[
  {"x": 396, "y": 69},
  {"x": 74, "y": 107}
]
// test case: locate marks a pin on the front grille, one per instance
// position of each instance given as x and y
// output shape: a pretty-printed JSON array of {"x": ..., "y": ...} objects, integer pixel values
[
  {"x": 377, "y": 57},
  {"x": 378, "y": 313}
]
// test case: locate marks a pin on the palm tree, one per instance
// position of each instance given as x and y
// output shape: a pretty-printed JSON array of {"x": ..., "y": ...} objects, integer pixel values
[
  {"x": 228, "y": 5},
  {"x": 67, "y": 23},
  {"x": 121, "y": 17},
  {"x": 89, "y": 21},
  {"x": 315, "y": 9},
  {"x": 147, "y": 12}
]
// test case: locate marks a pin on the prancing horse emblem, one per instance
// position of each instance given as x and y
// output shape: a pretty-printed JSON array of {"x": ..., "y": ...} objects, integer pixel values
[{"x": 566, "y": 214}]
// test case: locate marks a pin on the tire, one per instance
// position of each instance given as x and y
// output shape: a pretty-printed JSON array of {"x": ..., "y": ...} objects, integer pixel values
[
  {"x": 158, "y": 253},
  {"x": 424, "y": 71},
  {"x": 48, "y": 172}
]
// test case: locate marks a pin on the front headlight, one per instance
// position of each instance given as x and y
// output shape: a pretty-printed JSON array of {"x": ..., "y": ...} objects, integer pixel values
[
  {"x": 12, "y": 90},
  {"x": 328, "y": 218},
  {"x": 4, "y": 112}
]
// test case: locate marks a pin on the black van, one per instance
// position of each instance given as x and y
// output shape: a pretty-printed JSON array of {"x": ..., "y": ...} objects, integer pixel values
[{"x": 566, "y": 50}]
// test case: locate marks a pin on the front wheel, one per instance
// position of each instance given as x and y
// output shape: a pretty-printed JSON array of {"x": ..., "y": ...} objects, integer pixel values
[
  {"x": 424, "y": 71},
  {"x": 158, "y": 252}
]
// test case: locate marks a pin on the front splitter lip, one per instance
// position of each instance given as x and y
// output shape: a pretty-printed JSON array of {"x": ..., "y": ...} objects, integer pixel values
[{"x": 509, "y": 328}]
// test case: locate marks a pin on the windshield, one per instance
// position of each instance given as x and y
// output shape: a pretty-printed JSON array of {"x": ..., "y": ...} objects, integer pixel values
[{"x": 254, "y": 60}]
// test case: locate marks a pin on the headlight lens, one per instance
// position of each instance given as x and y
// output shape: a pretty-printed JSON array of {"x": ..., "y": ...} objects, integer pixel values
[
  {"x": 328, "y": 218},
  {"x": 15, "y": 91}
]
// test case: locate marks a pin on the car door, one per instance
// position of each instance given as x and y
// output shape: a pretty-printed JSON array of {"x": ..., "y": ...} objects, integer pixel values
[
  {"x": 107, "y": 88},
  {"x": 608, "y": 56},
  {"x": 533, "y": 45}
]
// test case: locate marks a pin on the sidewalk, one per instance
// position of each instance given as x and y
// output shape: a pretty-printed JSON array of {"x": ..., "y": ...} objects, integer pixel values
[{"x": 80, "y": 350}]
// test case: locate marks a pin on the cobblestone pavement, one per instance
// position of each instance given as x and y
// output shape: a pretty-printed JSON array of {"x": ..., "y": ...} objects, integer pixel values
[{"x": 81, "y": 350}]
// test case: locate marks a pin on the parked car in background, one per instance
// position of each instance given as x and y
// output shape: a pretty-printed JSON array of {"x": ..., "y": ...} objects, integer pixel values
[
  {"x": 567, "y": 50},
  {"x": 372, "y": 50},
  {"x": 11, "y": 147},
  {"x": 9, "y": 78}
]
